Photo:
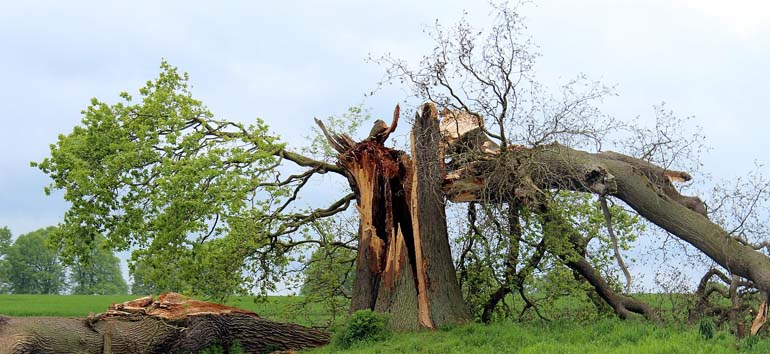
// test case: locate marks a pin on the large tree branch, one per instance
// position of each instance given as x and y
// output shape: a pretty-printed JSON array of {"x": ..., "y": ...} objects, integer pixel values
[
  {"x": 644, "y": 187},
  {"x": 305, "y": 161},
  {"x": 614, "y": 241},
  {"x": 556, "y": 230},
  {"x": 243, "y": 134}
]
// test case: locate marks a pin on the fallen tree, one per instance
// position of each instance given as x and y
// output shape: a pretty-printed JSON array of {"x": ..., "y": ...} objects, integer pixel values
[
  {"x": 170, "y": 324},
  {"x": 206, "y": 196},
  {"x": 396, "y": 266}
]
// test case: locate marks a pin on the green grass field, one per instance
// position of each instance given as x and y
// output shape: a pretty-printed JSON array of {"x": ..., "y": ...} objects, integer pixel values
[
  {"x": 278, "y": 308},
  {"x": 603, "y": 336},
  {"x": 57, "y": 305}
]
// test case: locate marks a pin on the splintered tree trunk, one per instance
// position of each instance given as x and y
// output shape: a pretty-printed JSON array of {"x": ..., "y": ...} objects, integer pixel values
[
  {"x": 404, "y": 263},
  {"x": 429, "y": 217}
]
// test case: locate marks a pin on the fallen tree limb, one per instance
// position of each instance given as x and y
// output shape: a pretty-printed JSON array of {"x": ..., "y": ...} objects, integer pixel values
[
  {"x": 645, "y": 189},
  {"x": 172, "y": 324}
]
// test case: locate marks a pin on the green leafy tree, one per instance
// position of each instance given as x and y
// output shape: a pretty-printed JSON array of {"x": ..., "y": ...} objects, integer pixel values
[
  {"x": 32, "y": 266},
  {"x": 98, "y": 274},
  {"x": 205, "y": 203},
  {"x": 329, "y": 272},
  {"x": 5, "y": 239},
  {"x": 200, "y": 199},
  {"x": 5, "y": 244},
  {"x": 530, "y": 276},
  {"x": 139, "y": 284}
]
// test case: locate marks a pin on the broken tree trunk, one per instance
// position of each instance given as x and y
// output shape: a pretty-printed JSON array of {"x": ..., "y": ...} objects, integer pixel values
[
  {"x": 172, "y": 324},
  {"x": 484, "y": 172},
  {"x": 404, "y": 265}
]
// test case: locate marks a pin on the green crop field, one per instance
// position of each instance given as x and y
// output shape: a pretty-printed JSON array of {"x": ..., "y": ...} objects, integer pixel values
[{"x": 603, "y": 336}]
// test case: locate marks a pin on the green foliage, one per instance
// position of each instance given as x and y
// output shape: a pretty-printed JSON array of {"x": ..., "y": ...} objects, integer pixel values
[
  {"x": 5, "y": 244},
  {"x": 586, "y": 215},
  {"x": 748, "y": 343},
  {"x": 706, "y": 328},
  {"x": 5, "y": 240},
  {"x": 98, "y": 274},
  {"x": 138, "y": 284},
  {"x": 32, "y": 267},
  {"x": 160, "y": 174},
  {"x": 329, "y": 272},
  {"x": 495, "y": 250},
  {"x": 364, "y": 325}
]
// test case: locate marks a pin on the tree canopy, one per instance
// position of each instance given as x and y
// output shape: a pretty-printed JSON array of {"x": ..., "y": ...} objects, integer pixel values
[
  {"x": 195, "y": 196},
  {"x": 98, "y": 274},
  {"x": 5, "y": 244},
  {"x": 31, "y": 267}
]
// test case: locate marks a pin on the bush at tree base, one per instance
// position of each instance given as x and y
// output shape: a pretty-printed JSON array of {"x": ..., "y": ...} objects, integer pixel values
[{"x": 364, "y": 325}]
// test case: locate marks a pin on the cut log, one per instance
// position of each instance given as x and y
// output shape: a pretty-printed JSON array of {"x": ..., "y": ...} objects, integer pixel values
[{"x": 172, "y": 324}]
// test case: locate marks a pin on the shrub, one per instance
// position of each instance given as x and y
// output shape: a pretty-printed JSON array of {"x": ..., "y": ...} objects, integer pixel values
[
  {"x": 706, "y": 328},
  {"x": 361, "y": 326}
]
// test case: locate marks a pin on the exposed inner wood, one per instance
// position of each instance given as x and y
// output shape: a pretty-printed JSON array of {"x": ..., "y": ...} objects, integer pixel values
[
  {"x": 761, "y": 317},
  {"x": 392, "y": 272},
  {"x": 386, "y": 241}
]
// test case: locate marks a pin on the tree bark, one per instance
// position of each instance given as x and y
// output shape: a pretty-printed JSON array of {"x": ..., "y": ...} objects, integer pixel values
[{"x": 177, "y": 325}]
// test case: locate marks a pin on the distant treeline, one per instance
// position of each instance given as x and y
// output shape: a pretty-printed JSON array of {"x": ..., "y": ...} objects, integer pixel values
[{"x": 31, "y": 264}]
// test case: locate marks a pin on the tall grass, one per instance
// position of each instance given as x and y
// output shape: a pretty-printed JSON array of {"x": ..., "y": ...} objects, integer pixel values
[{"x": 606, "y": 336}]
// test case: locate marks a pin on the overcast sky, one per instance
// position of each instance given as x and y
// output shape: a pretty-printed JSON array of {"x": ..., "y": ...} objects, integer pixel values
[{"x": 290, "y": 61}]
